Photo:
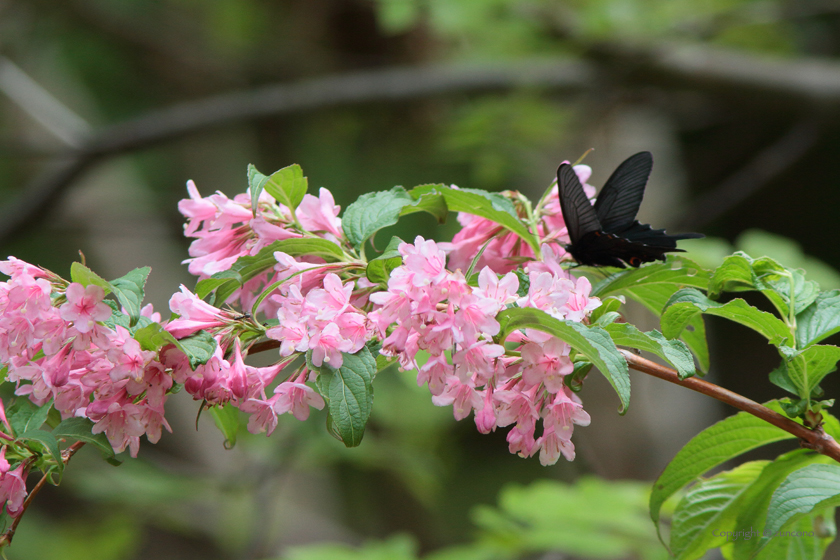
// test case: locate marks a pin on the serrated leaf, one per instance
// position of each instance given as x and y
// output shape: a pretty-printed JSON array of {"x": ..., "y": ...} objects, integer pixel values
[
  {"x": 807, "y": 538},
  {"x": 592, "y": 342},
  {"x": 756, "y": 500},
  {"x": 429, "y": 201},
  {"x": 707, "y": 507},
  {"x": 24, "y": 416},
  {"x": 711, "y": 447},
  {"x": 653, "y": 284},
  {"x": 372, "y": 212},
  {"x": 688, "y": 302},
  {"x": 806, "y": 368},
  {"x": 153, "y": 337},
  {"x": 610, "y": 304},
  {"x": 256, "y": 184},
  {"x": 379, "y": 269},
  {"x": 79, "y": 429},
  {"x": 130, "y": 290},
  {"x": 810, "y": 488},
  {"x": 740, "y": 272},
  {"x": 480, "y": 205},
  {"x": 227, "y": 420},
  {"x": 678, "y": 271},
  {"x": 819, "y": 320},
  {"x": 673, "y": 351},
  {"x": 47, "y": 439},
  {"x": 287, "y": 186},
  {"x": 248, "y": 267},
  {"x": 81, "y": 274},
  {"x": 199, "y": 348},
  {"x": 351, "y": 394}
]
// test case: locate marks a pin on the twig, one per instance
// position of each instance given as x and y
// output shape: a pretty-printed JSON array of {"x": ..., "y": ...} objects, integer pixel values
[
  {"x": 66, "y": 455},
  {"x": 768, "y": 164},
  {"x": 815, "y": 439}
]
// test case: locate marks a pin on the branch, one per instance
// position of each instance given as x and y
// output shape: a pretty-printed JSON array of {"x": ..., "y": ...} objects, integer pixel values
[
  {"x": 763, "y": 168},
  {"x": 815, "y": 439},
  {"x": 390, "y": 85},
  {"x": 66, "y": 455},
  {"x": 792, "y": 85}
]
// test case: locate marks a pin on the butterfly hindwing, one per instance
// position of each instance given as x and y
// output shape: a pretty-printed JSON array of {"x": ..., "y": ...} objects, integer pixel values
[
  {"x": 619, "y": 201},
  {"x": 578, "y": 213},
  {"x": 608, "y": 234}
]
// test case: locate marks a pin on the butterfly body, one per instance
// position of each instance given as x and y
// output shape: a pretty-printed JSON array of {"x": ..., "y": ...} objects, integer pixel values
[{"x": 607, "y": 233}]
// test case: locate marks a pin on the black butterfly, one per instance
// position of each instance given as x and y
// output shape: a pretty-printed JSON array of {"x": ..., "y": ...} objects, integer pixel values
[{"x": 608, "y": 234}]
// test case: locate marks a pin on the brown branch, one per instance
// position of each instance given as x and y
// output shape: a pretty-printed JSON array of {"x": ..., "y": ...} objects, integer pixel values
[
  {"x": 815, "y": 439},
  {"x": 66, "y": 455}
]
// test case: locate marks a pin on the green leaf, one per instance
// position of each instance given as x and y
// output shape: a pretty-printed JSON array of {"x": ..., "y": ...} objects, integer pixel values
[
  {"x": 379, "y": 269},
  {"x": 372, "y": 212},
  {"x": 247, "y": 267},
  {"x": 711, "y": 447},
  {"x": 810, "y": 488},
  {"x": 129, "y": 289},
  {"x": 740, "y": 272},
  {"x": 24, "y": 416},
  {"x": 676, "y": 271},
  {"x": 227, "y": 420},
  {"x": 482, "y": 205},
  {"x": 688, "y": 302},
  {"x": 708, "y": 506},
  {"x": 206, "y": 286},
  {"x": 610, "y": 304},
  {"x": 593, "y": 342},
  {"x": 47, "y": 439},
  {"x": 351, "y": 395},
  {"x": 806, "y": 368},
  {"x": 256, "y": 184},
  {"x": 756, "y": 500},
  {"x": 81, "y": 274},
  {"x": 287, "y": 186},
  {"x": 819, "y": 320},
  {"x": 653, "y": 284},
  {"x": 199, "y": 348},
  {"x": 429, "y": 201},
  {"x": 805, "y": 539},
  {"x": 153, "y": 337},
  {"x": 79, "y": 429},
  {"x": 674, "y": 351}
]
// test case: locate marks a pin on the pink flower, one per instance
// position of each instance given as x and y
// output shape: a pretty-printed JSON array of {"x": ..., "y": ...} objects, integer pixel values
[
  {"x": 12, "y": 485},
  {"x": 546, "y": 363},
  {"x": 320, "y": 214},
  {"x": 297, "y": 398},
  {"x": 84, "y": 306}
]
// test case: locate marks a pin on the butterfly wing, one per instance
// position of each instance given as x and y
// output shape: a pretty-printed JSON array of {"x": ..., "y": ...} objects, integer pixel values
[
  {"x": 578, "y": 213},
  {"x": 619, "y": 201}
]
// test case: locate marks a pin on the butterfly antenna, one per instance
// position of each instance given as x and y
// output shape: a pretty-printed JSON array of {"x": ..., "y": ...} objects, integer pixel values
[{"x": 580, "y": 159}]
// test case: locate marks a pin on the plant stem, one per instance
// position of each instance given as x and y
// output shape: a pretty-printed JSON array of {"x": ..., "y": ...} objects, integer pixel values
[
  {"x": 6, "y": 538},
  {"x": 815, "y": 439}
]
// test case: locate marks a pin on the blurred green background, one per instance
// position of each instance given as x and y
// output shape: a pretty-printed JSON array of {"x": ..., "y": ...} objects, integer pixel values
[{"x": 107, "y": 108}]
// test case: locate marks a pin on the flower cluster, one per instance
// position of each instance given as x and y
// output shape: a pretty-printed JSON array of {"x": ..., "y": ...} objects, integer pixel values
[
  {"x": 226, "y": 229},
  {"x": 56, "y": 347},
  {"x": 63, "y": 344},
  {"x": 430, "y": 309}
]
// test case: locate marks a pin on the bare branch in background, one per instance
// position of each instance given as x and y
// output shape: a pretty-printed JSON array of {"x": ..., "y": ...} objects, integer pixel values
[
  {"x": 41, "y": 105},
  {"x": 363, "y": 87},
  {"x": 790, "y": 84},
  {"x": 767, "y": 165}
]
